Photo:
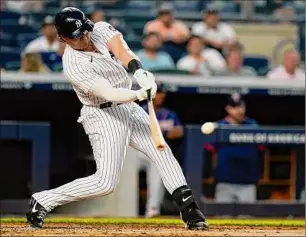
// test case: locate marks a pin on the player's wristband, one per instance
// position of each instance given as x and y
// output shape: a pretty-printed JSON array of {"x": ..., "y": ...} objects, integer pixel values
[{"x": 134, "y": 65}]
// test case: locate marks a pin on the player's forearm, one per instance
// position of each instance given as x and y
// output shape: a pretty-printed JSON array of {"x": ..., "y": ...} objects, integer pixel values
[
  {"x": 127, "y": 56},
  {"x": 121, "y": 50},
  {"x": 104, "y": 90},
  {"x": 121, "y": 95}
]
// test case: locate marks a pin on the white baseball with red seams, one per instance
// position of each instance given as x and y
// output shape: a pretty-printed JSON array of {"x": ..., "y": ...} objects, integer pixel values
[{"x": 111, "y": 130}]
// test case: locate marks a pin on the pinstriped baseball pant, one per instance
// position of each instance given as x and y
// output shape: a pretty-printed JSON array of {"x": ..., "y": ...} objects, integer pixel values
[{"x": 110, "y": 131}]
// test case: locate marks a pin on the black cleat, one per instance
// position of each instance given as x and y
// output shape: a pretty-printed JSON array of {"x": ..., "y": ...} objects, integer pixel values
[
  {"x": 36, "y": 214},
  {"x": 190, "y": 212},
  {"x": 194, "y": 219}
]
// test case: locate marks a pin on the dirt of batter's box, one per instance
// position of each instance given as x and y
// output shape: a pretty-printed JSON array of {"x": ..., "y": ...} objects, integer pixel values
[{"x": 143, "y": 230}]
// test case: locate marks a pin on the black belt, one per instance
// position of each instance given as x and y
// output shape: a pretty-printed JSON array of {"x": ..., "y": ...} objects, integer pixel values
[{"x": 107, "y": 104}]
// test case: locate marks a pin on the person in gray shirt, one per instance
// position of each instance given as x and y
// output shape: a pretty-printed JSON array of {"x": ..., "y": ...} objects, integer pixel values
[{"x": 234, "y": 67}]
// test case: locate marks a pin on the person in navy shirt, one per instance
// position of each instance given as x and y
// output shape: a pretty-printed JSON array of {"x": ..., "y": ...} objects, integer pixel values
[
  {"x": 172, "y": 130},
  {"x": 238, "y": 166}
]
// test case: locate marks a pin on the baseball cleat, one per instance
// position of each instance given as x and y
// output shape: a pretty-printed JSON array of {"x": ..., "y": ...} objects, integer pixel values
[
  {"x": 194, "y": 219},
  {"x": 36, "y": 214}
]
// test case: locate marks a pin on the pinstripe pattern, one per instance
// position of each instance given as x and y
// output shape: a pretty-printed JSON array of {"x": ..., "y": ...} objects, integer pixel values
[
  {"x": 83, "y": 69},
  {"x": 110, "y": 130}
]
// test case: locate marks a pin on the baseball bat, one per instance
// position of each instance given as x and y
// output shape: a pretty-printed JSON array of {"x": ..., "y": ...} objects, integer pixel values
[{"x": 156, "y": 133}]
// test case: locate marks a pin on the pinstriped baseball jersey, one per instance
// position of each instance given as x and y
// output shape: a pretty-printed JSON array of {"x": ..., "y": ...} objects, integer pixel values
[
  {"x": 110, "y": 130},
  {"x": 83, "y": 69}
]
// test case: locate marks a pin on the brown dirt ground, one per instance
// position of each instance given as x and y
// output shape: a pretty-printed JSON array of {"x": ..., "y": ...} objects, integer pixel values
[{"x": 143, "y": 230}]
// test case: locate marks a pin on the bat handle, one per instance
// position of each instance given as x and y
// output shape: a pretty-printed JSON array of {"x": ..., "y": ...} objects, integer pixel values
[{"x": 149, "y": 95}]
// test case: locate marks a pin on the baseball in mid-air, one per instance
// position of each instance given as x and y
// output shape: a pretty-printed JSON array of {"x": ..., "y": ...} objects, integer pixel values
[{"x": 208, "y": 128}]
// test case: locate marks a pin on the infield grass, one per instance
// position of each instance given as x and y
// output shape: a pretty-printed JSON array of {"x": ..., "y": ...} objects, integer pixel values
[{"x": 164, "y": 221}]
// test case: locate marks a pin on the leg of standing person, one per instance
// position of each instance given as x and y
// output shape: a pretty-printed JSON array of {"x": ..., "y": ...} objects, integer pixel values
[
  {"x": 155, "y": 191},
  {"x": 246, "y": 193},
  {"x": 225, "y": 193}
]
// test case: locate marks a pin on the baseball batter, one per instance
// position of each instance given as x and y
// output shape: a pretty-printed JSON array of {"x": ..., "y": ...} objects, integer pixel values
[{"x": 92, "y": 63}]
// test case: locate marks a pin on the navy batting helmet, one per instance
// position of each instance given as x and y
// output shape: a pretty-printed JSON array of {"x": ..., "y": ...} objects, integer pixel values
[{"x": 72, "y": 23}]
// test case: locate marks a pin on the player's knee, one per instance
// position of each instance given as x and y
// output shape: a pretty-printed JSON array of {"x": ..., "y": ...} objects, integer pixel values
[
  {"x": 110, "y": 188},
  {"x": 105, "y": 187}
]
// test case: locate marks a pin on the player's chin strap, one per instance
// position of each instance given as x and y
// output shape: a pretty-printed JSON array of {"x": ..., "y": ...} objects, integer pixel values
[{"x": 183, "y": 197}]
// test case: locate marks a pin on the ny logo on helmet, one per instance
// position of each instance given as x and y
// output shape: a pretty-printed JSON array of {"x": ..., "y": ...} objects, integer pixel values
[{"x": 78, "y": 23}]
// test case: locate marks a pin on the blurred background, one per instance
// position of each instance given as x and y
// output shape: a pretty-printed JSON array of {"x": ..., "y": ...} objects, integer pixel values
[{"x": 238, "y": 63}]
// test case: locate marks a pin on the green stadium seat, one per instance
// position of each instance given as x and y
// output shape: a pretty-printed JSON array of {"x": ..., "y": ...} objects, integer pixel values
[
  {"x": 134, "y": 44},
  {"x": 137, "y": 28}
]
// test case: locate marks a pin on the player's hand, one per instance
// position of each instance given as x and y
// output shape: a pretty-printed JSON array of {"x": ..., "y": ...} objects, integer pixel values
[
  {"x": 144, "y": 78},
  {"x": 153, "y": 90},
  {"x": 142, "y": 93}
]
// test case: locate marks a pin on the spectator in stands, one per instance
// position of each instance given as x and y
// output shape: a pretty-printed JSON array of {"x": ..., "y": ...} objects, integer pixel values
[
  {"x": 69, "y": 3},
  {"x": 150, "y": 56},
  {"x": 48, "y": 42},
  {"x": 234, "y": 60},
  {"x": 237, "y": 169},
  {"x": 3, "y": 5},
  {"x": 96, "y": 15},
  {"x": 32, "y": 62},
  {"x": 173, "y": 132},
  {"x": 216, "y": 34},
  {"x": 290, "y": 69},
  {"x": 106, "y": 3},
  {"x": 23, "y": 5},
  {"x": 199, "y": 59},
  {"x": 173, "y": 32}
]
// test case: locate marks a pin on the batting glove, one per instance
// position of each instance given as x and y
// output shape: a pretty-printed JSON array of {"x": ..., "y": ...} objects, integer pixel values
[
  {"x": 142, "y": 93},
  {"x": 144, "y": 78}
]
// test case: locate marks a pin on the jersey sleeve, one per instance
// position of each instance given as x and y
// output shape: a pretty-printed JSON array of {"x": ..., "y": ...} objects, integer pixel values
[
  {"x": 106, "y": 30},
  {"x": 81, "y": 78}
]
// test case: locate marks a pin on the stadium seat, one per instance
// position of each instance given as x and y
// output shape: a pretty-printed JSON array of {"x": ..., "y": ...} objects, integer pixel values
[
  {"x": 9, "y": 49},
  {"x": 24, "y": 38},
  {"x": 13, "y": 65},
  {"x": 9, "y": 42},
  {"x": 263, "y": 71},
  {"x": 140, "y": 5},
  {"x": 9, "y": 15},
  {"x": 13, "y": 28},
  {"x": 137, "y": 28},
  {"x": 6, "y": 57},
  {"x": 186, "y": 5},
  {"x": 258, "y": 62},
  {"x": 134, "y": 44},
  {"x": 7, "y": 39},
  {"x": 230, "y": 8},
  {"x": 137, "y": 19}
]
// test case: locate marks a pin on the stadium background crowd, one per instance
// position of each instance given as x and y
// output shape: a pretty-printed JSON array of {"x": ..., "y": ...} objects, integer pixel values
[{"x": 205, "y": 46}]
